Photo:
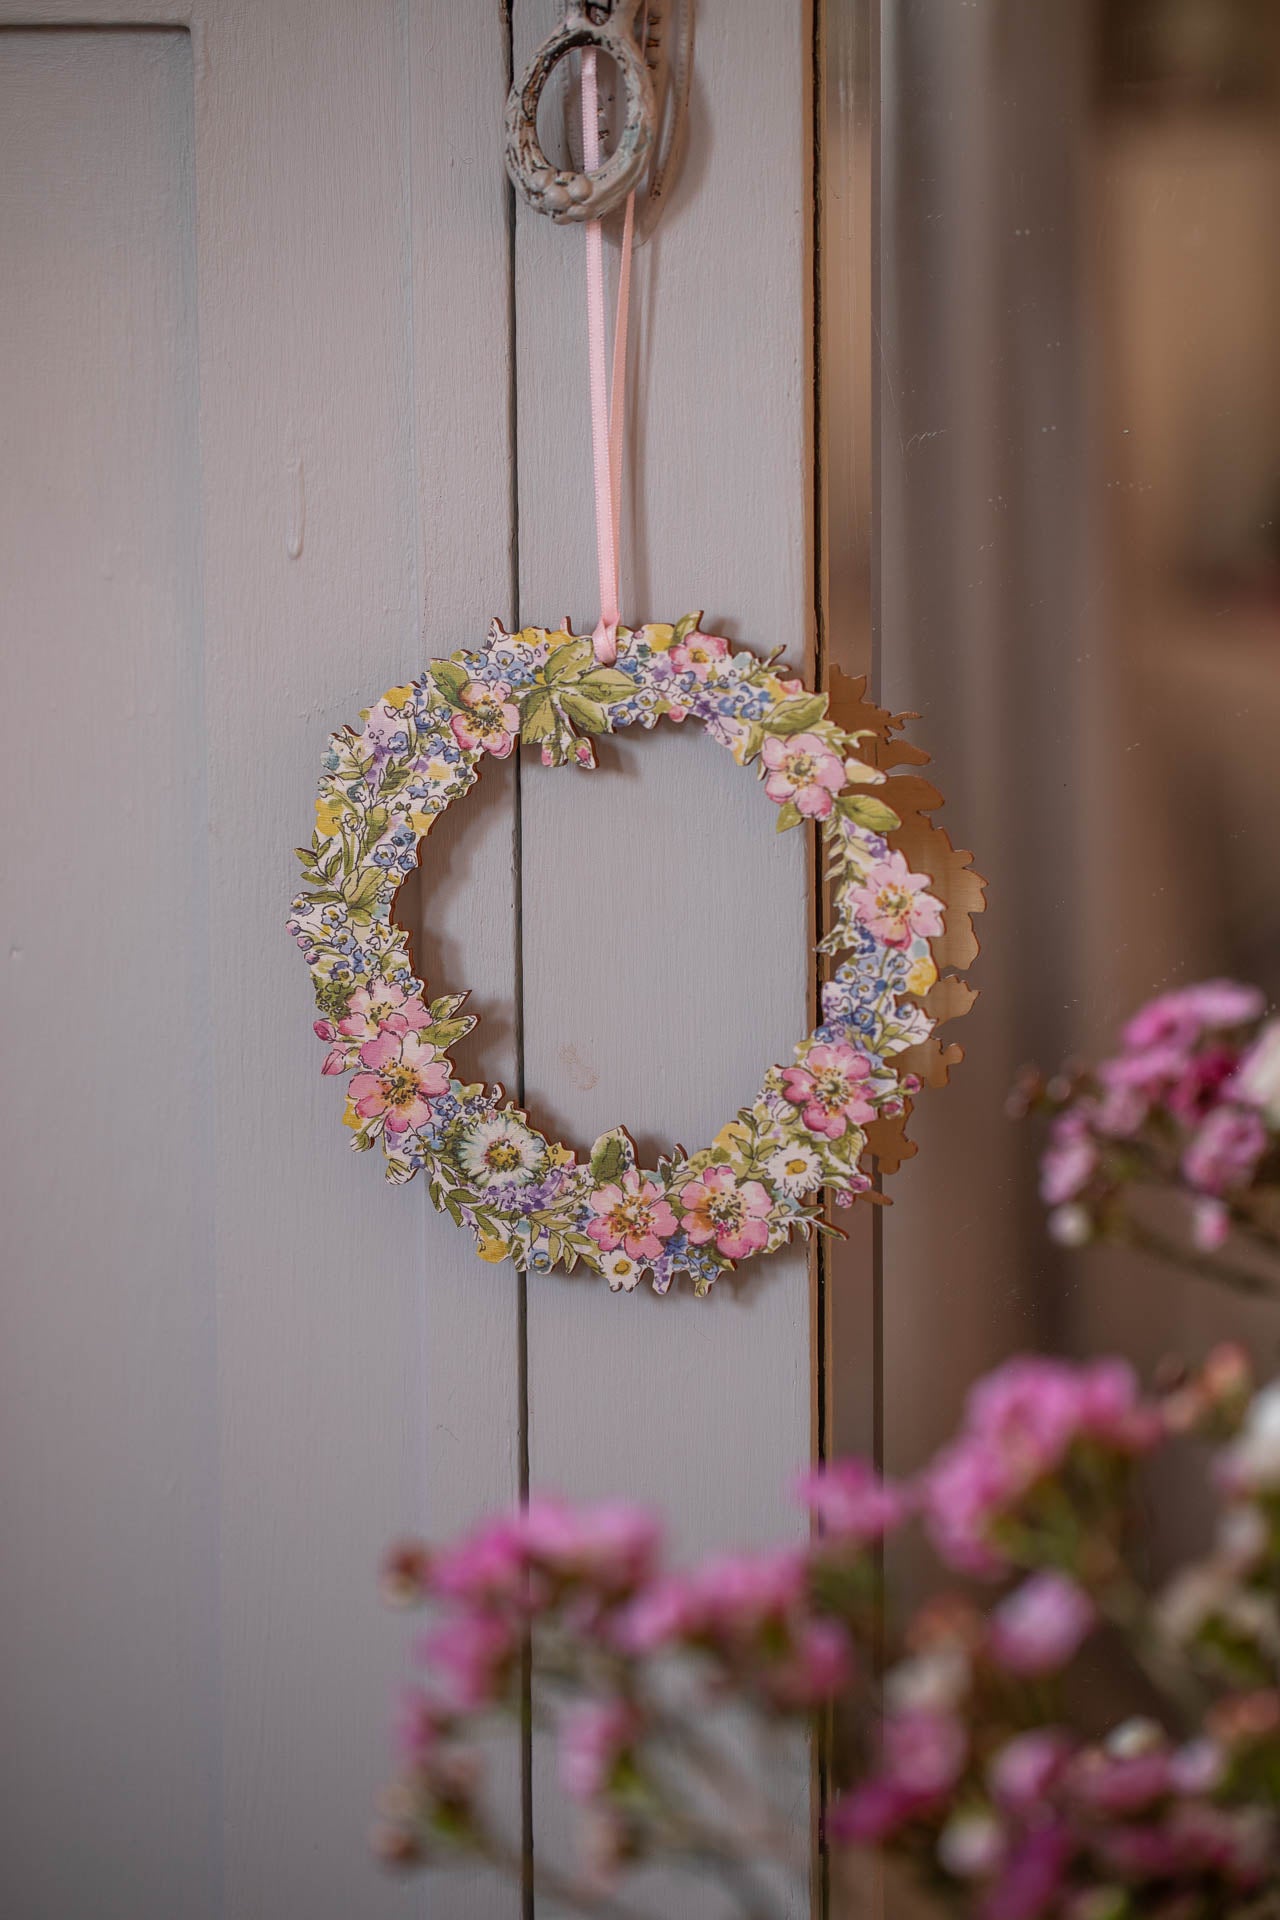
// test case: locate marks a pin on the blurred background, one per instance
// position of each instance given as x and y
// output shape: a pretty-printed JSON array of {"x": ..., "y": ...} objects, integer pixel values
[{"x": 1051, "y": 316}]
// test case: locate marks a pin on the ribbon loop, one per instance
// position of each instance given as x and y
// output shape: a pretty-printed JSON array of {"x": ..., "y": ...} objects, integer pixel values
[{"x": 608, "y": 388}]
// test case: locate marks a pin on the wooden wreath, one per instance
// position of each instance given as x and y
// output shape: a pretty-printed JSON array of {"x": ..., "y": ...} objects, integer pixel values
[{"x": 817, "y": 1125}]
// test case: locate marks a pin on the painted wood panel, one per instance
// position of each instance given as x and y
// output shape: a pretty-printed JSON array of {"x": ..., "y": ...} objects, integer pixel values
[
  {"x": 297, "y": 213},
  {"x": 368, "y": 1368},
  {"x": 108, "y": 1436},
  {"x": 666, "y": 927}
]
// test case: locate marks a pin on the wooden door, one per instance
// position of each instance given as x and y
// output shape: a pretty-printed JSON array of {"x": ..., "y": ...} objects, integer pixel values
[{"x": 293, "y": 399}]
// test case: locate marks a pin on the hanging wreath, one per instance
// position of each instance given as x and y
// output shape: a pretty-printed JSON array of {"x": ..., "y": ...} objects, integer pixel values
[{"x": 815, "y": 1124}]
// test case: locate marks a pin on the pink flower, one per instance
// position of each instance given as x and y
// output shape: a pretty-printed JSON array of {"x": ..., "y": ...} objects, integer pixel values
[
  {"x": 803, "y": 769},
  {"x": 609, "y": 1547},
  {"x": 924, "y": 1750},
  {"x": 403, "y": 1078},
  {"x": 633, "y": 1216},
  {"x": 491, "y": 722},
  {"x": 739, "y": 1595},
  {"x": 892, "y": 902},
  {"x": 382, "y": 1008},
  {"x": 852, "y": 1503},
  {"x": 1020, "y": 1424},
  {"x": 1068, "y": 1162},
  {"x": 817, "y": 1663},
  {"x": 1027, "y": 1768},
  {"x": 418, "y": 1729},
  {"x": 872, "y": 1813},
  {"x": 829, "y": 1085},
  {"x": 1031, "y": 1877},
  {"x": 472, "y": 1655},
  {"x": 697, "y": 653},
  {"x": 735, "y": 1216},
  {"x": 593, "y": 1738},
  {"x": 1040, "y": 1626},
  {"x": 1225, "y": 1151},
  {"x": 1181, "y": 1017}
]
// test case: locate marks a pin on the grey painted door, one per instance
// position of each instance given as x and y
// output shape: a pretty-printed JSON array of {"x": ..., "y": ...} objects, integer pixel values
[{"x": 286, "y": 408}]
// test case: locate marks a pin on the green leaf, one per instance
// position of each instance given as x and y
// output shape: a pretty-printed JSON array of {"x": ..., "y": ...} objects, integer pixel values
[
  {"x": 539, "y": 720},
  {"x": 567, "y": 662},
  {"x": 587, "y": 714},
  {"x": 443, "y": 1033},
  {"x": 606, "y": 685},
  {"x": 611, "y": 1156},
  {"x": 753, "y": 742},
  {"x": 795, "y": 715},
  {"x": 362, "y": 889},
  {"x": 446, "y": 1006},
  {"x": 686, "y": 626},
  {"x": 789, "y": 815},
  {"x": 450, "y": 678},
  {"x": 867, "y": 812}
]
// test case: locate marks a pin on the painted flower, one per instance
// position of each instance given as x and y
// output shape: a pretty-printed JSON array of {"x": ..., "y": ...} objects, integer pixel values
[
  {"x": 403, "y": 1078},
  {"x": 804, "y": 770},
  {"x": 829, "y": 1087},
  {"x": 795, "y": 1170},
  {"x": 892, "y": 902},
  {"x": 622, "y": 1272},
  {"x": 489, "y": 722},
  {"x": 697, "y": 653},
  {"x": 502, "y": 1152},
  {"x": 382, "y": 1007},
  {"x": 632, "y": 1215},
  {"x": 735, "y": 1216}
]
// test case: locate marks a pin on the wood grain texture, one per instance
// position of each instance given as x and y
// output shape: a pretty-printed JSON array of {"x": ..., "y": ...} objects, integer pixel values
[
  {"x": 666, "y": 927},
  {"x": 368, "y": 1368},
  {"x": 108, "y": 1444}
]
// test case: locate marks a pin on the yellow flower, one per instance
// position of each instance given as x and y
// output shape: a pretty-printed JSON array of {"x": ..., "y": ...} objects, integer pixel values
[
  {"x": 350, "y": 1118},
  {"x": 922, "y": 975},
  {"x": 732, "y": 1136},
  {"x": 560, "y": 1156},
  {"x": 659, "y": 638},
  {"x": 490, "y": 1248},
  {"x": 422, "y": 822},
  {"x": 329, "y": 811},
  {"x": 397, "y": 697}
]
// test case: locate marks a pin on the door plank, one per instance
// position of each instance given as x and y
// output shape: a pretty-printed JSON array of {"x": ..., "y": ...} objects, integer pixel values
[
  {"x": 351, "y": 216},
  {"x": 107, "y": 1409},
  {"x": 666, "y": 927}
]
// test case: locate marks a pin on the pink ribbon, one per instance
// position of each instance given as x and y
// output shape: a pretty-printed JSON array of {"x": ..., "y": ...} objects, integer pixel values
[{"x": 608, "y": 403}]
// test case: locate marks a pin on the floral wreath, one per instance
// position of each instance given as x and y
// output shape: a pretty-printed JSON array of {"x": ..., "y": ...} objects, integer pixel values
[{"x": 814, "y": 1123}]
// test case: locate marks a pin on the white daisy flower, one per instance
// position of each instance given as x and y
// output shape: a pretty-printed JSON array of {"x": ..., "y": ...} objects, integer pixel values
[
  {"x": 501, "y": 1153},
  {"x": 622, "y": 1272},
  {"x": 795, "y": 1170}
]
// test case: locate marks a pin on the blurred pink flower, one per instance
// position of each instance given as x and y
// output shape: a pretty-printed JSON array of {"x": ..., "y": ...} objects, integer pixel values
[
  {"x": 852, "y": 1504},
  {"x": 593, "y": 1736},
  {"x": 1224, "y": 1153},
  {"x": 1041, "y": 1625}
]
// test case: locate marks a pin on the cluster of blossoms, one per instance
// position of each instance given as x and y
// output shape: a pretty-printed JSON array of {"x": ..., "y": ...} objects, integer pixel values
[
  {"x": 1191, "y": 1102},
  {"x": 527, "y": 1198},
  {"x": 976, "y": 1762}
]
